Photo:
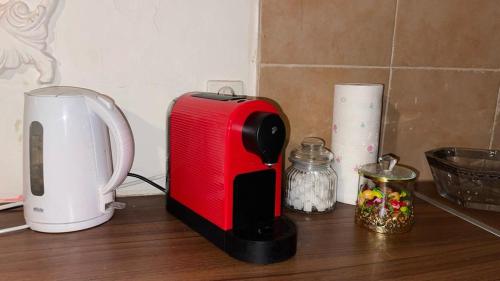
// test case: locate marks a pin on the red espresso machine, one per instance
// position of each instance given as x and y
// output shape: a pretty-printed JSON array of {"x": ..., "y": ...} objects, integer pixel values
[{"x": 225, "y": 174}]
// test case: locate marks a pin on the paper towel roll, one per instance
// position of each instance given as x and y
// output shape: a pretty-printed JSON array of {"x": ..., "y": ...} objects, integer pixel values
[{"x": 357, "y": 109}]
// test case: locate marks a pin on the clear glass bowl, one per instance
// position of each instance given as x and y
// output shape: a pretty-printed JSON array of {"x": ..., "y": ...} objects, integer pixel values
[
  {"x": 311, "y": 182},
  {"x": 466, "y": 176}
]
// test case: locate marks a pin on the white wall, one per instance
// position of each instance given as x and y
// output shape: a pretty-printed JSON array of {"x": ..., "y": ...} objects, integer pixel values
[{"x": 142, "y": 53}]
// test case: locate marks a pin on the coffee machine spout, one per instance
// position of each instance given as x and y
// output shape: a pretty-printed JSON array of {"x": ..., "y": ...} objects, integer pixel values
[{"x": 264, "y": 134}]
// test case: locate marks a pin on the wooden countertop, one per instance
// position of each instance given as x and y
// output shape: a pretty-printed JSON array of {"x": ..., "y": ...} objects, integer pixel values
[{"x": 143, "y": 242}]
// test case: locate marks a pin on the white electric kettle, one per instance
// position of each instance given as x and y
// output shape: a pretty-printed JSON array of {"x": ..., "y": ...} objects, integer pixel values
[{"x": 69, "y": 180}]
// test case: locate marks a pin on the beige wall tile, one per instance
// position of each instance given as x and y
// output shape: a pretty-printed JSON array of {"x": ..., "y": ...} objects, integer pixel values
[
  {"x": 355, "y": 32},
  {"x": 430, "y": 109},
  {"x": 306, "y": 96},
  {"x": 448, "y": 33}
]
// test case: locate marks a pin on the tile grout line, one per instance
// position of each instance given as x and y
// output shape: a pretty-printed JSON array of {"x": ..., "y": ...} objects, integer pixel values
[
  {"x": 290, "y": 65},
  {"x": 495, "y": 120},
  {"x": 445, "y": 68},
  {"x": 258, "y": 62},
  {"x": 386, "y": 105}
]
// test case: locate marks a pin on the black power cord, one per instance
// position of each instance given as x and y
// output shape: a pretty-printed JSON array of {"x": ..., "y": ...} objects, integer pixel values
[{"x": 159, "y": 187}]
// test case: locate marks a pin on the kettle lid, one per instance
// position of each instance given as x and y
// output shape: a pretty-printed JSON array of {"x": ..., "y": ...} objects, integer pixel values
[{"x": 61, "y": 91}]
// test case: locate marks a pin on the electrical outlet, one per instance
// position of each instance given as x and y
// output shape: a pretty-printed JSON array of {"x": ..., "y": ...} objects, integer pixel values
[{"x": 216, "y": 86}]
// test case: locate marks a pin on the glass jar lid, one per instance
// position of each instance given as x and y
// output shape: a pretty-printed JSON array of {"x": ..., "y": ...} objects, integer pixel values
[
  {"x": 386, "y": 170},
  {"x": 311, "y": 151}
]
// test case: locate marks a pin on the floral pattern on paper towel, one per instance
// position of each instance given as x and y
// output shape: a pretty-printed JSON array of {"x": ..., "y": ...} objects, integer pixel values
[
  {"x": 356, "y": 168},
  {"x": 334, "y": 128},
  {"x": 338, "y": 159},
  {"x": 343, "y": 99},
  {"x": 370, "y": 148}
]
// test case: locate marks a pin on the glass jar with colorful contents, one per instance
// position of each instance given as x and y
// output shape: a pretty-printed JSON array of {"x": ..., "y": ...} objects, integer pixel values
[{"x": 385, "y": 201}]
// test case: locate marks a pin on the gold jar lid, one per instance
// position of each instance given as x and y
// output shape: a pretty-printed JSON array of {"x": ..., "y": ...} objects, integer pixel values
[{"x": 387, "y": 170}]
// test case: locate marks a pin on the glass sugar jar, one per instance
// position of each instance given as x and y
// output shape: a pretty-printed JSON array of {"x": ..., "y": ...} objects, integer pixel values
[
  {"x": 385, "y": 200},
  {"x": 311, "y": 182}
]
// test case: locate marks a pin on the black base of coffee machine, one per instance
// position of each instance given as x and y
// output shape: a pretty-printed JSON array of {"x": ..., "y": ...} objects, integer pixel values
[{"x": 271, "y": 243}]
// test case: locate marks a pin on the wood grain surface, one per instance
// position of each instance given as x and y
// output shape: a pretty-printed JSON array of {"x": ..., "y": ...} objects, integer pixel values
[
  {"x": 488, "y": 218},
  {"x": 143, "y": 242}
]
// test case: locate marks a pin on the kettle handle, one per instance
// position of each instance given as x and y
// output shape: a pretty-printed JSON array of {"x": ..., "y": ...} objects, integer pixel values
[{"x": 106, "y": 109}]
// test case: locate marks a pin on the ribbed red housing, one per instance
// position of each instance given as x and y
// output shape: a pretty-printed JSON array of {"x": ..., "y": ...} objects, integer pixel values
[{"x": 207, "y": 153}]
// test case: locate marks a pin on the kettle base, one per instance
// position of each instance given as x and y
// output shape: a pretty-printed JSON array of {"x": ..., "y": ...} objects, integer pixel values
[
  {"x": 278, "y": 245},
  {"x": 69, "y": 227}
]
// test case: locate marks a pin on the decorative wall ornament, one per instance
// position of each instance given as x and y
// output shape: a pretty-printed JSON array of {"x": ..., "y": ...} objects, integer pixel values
[{"x": 23, "y": 35}]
